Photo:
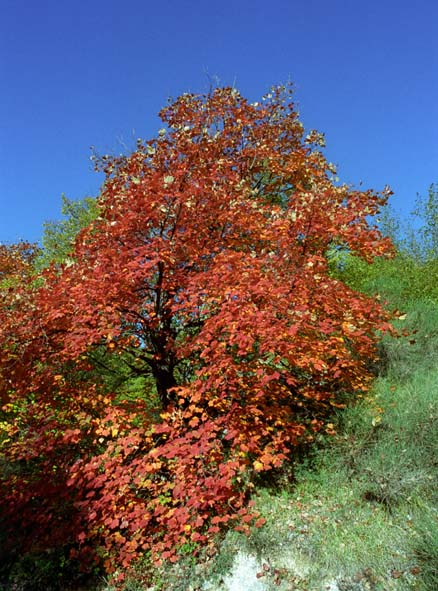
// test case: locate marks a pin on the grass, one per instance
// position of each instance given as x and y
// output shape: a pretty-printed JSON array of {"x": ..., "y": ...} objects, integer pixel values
[{"x": 358, "y": 510}]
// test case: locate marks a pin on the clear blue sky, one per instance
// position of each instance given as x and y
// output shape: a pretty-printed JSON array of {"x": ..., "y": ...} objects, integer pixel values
[{"x": 80, "y": 74}]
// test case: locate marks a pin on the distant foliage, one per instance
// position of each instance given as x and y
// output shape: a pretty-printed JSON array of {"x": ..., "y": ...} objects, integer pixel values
[
  {"x": 59, "y": 237},
  {"x": 413, "y": 273},
  {"x": 205, "y": 279},
  {"x": 416, "y": 237}
]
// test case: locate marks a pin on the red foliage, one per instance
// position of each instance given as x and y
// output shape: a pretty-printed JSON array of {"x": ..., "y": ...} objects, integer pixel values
[{"x": 207, "y": 271}]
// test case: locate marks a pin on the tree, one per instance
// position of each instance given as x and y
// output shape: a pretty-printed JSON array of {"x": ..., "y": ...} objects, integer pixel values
[
  {"x": 16, "y": 269},
  {"x": 16, "y": 262},
  {"x": 36, "y": 508},
  {"x": 59, "y": 237},
  {"x": 206, "y": 271}
]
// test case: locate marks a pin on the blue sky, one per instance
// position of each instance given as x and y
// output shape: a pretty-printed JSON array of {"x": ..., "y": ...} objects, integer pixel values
[{"x": 80, "y": 74}]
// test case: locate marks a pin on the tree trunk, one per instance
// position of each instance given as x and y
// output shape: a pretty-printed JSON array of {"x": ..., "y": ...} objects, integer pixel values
[{"x": 164, "y": 381}]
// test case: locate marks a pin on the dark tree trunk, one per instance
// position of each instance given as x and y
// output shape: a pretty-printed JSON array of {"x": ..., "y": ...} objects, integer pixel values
[{"x": 164, "y": 381}]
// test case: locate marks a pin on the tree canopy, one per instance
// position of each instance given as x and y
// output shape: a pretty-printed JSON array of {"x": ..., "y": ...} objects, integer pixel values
[{"x": 203, "y": 274}]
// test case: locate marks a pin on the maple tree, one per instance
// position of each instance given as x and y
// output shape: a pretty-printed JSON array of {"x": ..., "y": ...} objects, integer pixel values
[
  {"x": 16, "y": 268},
  {"x": 16, "y": 261},
  {"x": 204, "y": 284}
]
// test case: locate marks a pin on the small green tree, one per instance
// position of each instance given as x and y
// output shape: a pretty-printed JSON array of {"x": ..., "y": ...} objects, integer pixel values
[
  {"x": 426, "y": 211},
  {"x": 58, "y": 239},
  {"x": 416, "y": 237}
]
